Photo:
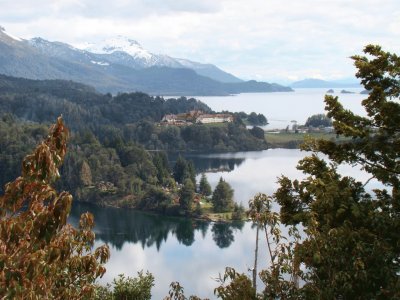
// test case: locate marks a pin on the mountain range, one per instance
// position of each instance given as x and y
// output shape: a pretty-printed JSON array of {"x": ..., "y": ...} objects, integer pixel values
[
  {"x": 119, "y": 65},
  {"x": 319, "y": 83}
]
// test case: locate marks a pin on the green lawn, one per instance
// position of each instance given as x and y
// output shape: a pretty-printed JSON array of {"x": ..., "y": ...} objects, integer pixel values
[{"x": 293, "y": 140}]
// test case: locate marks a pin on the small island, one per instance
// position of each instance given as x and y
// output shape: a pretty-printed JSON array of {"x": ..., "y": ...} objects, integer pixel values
[
  {"x": 346, "y": 92},
  {"x": 365, "y": 92},
  {"x": 330, "y": 91}
]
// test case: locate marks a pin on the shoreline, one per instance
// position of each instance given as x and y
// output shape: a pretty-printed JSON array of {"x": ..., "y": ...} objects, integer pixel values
[{"x": 204, "y": 217}]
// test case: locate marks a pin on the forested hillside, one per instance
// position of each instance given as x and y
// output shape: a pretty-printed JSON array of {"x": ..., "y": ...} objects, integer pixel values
[{"x": 108, "y": 155}]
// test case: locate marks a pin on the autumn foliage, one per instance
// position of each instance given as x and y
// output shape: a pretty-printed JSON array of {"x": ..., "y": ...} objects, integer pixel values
[{"x": 41, "y": 256}]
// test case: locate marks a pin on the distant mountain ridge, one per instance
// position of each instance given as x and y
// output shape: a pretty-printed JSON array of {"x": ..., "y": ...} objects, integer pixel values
[
  {"x": 120, "y": 67},
  {"x": 319, "y": 83}
]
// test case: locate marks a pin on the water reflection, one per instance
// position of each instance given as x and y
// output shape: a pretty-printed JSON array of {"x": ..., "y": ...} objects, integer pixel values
[
  {"x": 119, "y": 226},
  {"x": 206, "y": 163},
  {"x": 194, "y": 252},
  {"x": 223, "y": 233}
]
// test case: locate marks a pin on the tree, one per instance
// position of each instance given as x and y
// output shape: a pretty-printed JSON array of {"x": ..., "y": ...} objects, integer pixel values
[
  {"x": 351, "y": 247},
  {"x": 257, "y": 119},
  {"x": 191, "y": 172},
  {"x": 257, "y": 132},
  {"x": 138, "y": 288},
  {"x": 222, "y": 197},
  {"x": 186, "y": 195},
  {"x": 41, "y": 255},
  {"x": 86, "y": 174},
  {"x": 319, "y": 120},
  {"x": 160, "y": 161},
  {"x": 184, "y": 169},
  {"x": 352, "y": 244},
  {"x": 205, "y": 188},
  {"x": 180, "y": 169}
]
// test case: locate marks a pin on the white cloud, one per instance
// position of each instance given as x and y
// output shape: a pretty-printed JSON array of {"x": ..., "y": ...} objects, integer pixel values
[{"x": 267, "y": 39}]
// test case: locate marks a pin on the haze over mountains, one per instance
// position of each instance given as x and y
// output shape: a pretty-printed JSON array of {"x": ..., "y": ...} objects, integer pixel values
[
  {"x": 119, "y": 65},
  {"x": 319, "y": 83}
]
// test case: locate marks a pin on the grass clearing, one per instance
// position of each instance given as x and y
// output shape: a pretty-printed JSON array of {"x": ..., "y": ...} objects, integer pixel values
[{"x": 293, "y": 140}]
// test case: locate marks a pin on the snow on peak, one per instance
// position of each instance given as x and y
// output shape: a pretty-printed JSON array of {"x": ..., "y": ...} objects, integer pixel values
[
  {"x": 119, "y": 43},
  {"x": 3, "y": 30}
]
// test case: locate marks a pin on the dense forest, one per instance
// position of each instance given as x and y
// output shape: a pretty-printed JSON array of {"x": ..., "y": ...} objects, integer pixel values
[{"x": 116, "y": 152}]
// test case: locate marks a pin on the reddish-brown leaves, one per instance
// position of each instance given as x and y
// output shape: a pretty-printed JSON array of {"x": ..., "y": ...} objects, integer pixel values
[{"x": 41, "y": 256}]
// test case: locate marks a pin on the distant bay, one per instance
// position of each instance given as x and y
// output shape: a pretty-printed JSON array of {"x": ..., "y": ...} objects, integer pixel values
[{"x": 282, "y": 108}]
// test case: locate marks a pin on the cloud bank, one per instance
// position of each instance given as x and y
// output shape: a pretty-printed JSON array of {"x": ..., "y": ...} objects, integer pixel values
[{"x": 263, "y": 39}]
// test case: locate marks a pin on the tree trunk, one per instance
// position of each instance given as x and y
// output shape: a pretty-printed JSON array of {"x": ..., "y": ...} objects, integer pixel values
[{"x": 255, "y": 261}]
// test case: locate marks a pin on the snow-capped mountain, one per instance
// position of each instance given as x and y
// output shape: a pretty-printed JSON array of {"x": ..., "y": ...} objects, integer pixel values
[
  {"x": 120, "y": 45},
  {"x": 130, "y": 53},
  {"x": 119, "y": 65}
]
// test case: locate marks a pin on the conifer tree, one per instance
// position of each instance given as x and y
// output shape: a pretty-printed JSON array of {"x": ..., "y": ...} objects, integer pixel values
[
  {"x": 186, "y": 195},
  {"x": 205, "y": 188},
  {"x": 352, "y": 246},
  {"x": 222, "y": 197}
]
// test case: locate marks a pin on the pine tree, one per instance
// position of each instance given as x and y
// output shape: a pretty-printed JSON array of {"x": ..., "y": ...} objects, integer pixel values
[
  {"x": 186, "y": 195},
  {"x": 222, "y": 197},
  {"x": 352, "y": 246},
  {"x": 205, "y": 188}
]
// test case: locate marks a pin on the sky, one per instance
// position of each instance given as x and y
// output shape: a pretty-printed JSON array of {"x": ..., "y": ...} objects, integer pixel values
[{"x": 270, "y": 40}]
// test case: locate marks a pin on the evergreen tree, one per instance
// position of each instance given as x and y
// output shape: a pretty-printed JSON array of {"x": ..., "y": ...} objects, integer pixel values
[
  {"x": 191, "y": 172},
  {"x": 352, "y": 246},
  {"x": 160, "y": 161},
  {"x": 180, "y": 169},
  {"x": 184, "y": 169},
  {"x": 186, "y": 195},
  {"x": 318, "y": 120},
  {"x": 205, "y": 188},
  {"x": 222, "y": 197}
]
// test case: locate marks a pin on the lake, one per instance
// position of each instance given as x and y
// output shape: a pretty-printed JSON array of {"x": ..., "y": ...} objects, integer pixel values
[
  {"x": 193, "y": 252},
  {"x": 282, "y": 108}
]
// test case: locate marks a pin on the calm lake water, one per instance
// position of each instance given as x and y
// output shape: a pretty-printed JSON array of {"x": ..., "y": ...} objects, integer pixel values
[
  {"x": 282, "y": 108},
  {"x": 193, "y": 252}
]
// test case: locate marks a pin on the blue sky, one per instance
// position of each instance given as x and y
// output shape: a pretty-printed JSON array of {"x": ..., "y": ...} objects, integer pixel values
[{"x": 271, "y": 40}]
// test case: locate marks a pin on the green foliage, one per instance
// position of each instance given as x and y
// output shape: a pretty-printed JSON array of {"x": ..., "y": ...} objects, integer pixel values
[
  {"x": 235, "y": 286},
  {"x": 155, "y": 199},
  {"x": 238, "y": 212},
  {"x": 222, "y": 197},
  {"x": 224, "y": 137},
  {"x": 350, "y": 245},
  {"x": 186, "y": 195},
  {"x": 257, "y": 132},
  {"x": 123, "y": 118},
  {"x": 138, "y": 288},
  {"x": 176, "y": 292},
  {"x": 41, "y": 255},
  {"x": 351, "y": 249},
  {"x": 160, "y": 161},
  {"x": 204, "y": 186},
  {"x": 184, "y": 169},
  {"x": 318, "y": 120},
  {"x": 257, "y": 119},
  {"x": 16, "y": 141}
]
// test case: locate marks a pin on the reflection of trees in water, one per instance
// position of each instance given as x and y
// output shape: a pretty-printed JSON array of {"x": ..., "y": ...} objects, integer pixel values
[
  {"x": 116, "y": 226},
  {"x": 223, "y": 233},
  {"x": 204, "y": 163}
]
